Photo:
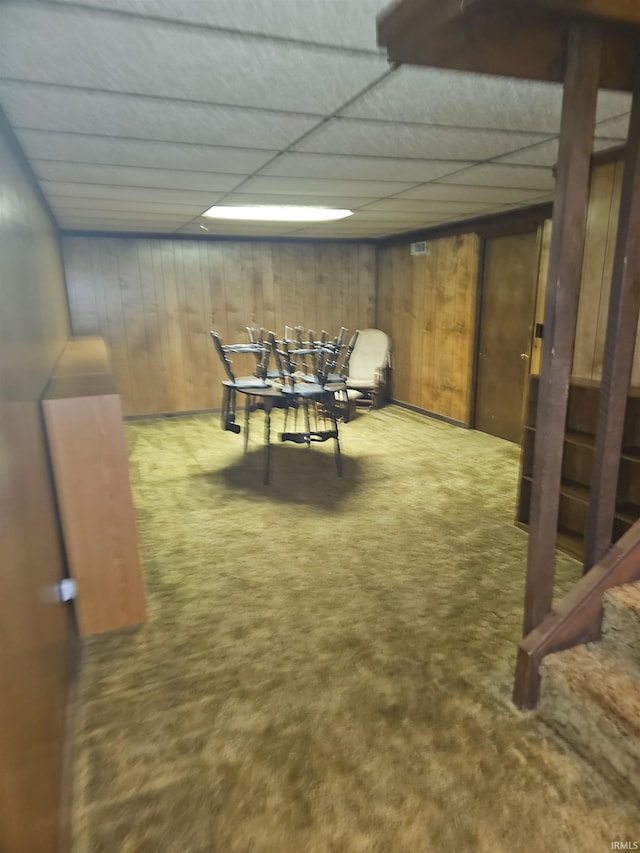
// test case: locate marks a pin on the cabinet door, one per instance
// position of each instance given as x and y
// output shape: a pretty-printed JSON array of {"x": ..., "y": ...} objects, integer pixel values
[{"x": 506, "y": 323}]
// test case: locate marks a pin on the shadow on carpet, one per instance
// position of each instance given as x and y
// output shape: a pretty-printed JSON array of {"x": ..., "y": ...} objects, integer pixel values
[{"x": 331, "y": 677}]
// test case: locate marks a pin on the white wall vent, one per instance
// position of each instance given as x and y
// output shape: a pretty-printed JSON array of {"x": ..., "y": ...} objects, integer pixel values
[{"x": 420, "y": 248}]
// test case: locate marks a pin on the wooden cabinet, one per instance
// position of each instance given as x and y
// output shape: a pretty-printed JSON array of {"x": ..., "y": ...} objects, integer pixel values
[
  {"x": 83, "y": 421},
  {"x": 577, "y": 464}
]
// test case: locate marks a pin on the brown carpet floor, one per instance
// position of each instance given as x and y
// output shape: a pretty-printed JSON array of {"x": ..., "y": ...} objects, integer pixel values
[{"x": 327, "y": 664}]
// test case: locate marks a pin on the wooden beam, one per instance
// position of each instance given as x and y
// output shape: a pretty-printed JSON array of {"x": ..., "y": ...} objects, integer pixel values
[
  {"x": 561, "y": 308},
  {"x": 516, "y": 38},
  {"x": 622, "y": 324},
  {"x": 623, "y": 11}
]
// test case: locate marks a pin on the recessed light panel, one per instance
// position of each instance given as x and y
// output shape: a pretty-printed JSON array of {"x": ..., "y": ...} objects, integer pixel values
[{"x": 276, "y": 213}]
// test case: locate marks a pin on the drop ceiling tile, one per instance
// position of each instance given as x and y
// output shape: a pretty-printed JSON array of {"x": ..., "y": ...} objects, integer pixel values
[
  {"x": 303, "y": 187},
  {"x": 237, "y": 229},
  {"x": 546, "y": 153},
  {"x": 60, "y": 202},
  {"x": 52, "y": 108},
  {"x": 332, "y": 231},
  {"x": 332, "y": 166},
  {"x": 426, "y": 206},
  {"x": 397, "y": 220},
  {"x": 119, "y": 215},
  {"x": 100, "y": 191},
  {"x": 341, "y": 201},
  {"x": 541, "y": 154},
  {"x": 143, "y": 56},
  {"x": 129, "y": 176},
  {"x": 81, "y": 148},
  {"x": 331, "y": 22},
  {"x": 612, "y": 104},
  {"x": 484, "y": 195},
  {"x": 504, "y": 175},
  {"x": 113, "y": 225},
  {"x": 460, "y": 99},
  {"x": 615, "y": 128},
  {"x": 387, "y": 139},
  {"x": 454, "y": 98},
  {"x": 382, "y": 216}
]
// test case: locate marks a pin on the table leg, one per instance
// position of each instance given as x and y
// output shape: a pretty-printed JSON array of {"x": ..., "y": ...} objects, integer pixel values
[
  {"x": 267, "y": 441},
  {"x": 247, "y": 413},
  {"x": 307, "y": 422}
]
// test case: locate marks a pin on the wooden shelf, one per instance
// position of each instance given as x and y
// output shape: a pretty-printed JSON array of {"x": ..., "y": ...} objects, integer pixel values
[
  {"x": 571, "y": 543},
  {"x": 576, "y": 436},
  {"x": 576, "y": 491},
  {"x": 83, "y": 420},
  {"x": 577, "y": 463},
  {"x": 628, "y": 513}
]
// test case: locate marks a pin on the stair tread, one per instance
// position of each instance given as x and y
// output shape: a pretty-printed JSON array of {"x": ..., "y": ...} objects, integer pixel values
[
  {"x": 603, "y": 681},
  {"x": 627, "y": 596}
]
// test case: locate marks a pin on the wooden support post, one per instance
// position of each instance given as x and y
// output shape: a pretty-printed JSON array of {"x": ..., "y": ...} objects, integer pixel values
[
  {"x": 622, "y": 324},
  {"x": 561, "y": 307}
]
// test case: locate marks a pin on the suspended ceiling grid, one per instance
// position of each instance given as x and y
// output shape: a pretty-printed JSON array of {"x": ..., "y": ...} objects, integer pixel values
[{"x": 138, "y": 115}]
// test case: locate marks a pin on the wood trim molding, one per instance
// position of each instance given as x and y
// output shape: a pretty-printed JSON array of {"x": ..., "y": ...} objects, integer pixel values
[
  {"x": 429, "y": 414},
  {"x": 577, "y": 617},
  {"x": 611, "y": 155}
]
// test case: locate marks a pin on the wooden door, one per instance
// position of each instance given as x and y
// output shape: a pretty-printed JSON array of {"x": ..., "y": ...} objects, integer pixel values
[{"x": 506, "y": 324}]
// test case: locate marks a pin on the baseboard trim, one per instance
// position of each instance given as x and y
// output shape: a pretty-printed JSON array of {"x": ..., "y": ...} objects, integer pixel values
[
  {"x": 191, "y": 412},
  {"x": 157, "y": 415},
  {"x": 429, "y": 414}
]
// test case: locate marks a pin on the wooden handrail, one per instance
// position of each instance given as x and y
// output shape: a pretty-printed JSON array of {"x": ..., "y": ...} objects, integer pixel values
[{"x": 577, "y": 618}]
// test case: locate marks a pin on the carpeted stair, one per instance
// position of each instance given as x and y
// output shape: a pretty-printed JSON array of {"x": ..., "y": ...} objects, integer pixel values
[{"x": 591, "y": 694}]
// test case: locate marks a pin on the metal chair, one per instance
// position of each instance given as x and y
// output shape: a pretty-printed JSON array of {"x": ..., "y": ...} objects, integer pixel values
[
  {"x": 317, "y": 393},
  {"x": 233, "y": 384}
]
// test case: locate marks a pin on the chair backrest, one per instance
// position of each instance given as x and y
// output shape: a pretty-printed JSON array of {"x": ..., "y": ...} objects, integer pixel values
[
  {"x": 261, "y": 351},
  {"x": 224, "y": 358},
  {"x": 372, "y": 352},
  {"x": 344, "y": 367},
  {"x": 282, "y": 358}
]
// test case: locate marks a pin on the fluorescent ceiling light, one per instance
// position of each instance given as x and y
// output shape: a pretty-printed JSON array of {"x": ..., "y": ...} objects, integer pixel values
[{"x": 276, "y": 213}]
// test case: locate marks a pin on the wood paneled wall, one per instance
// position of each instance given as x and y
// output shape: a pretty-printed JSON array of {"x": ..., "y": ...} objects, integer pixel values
[
  {"x": 427, "y": 304},
  {"x": 597, "y": 268},
  {"x": 34, "y": 630},
  {"x": 156, "y": 300}
]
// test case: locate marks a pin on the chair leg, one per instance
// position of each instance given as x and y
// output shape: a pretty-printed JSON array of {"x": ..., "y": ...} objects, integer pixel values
[
  {"x": 336, "y": 449},
  {"x": 247, "y": 413},
  {"x": 229, "y": 410},
  {"x": 307, "y": 422},
  {"x": 267, "y": 444}
]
